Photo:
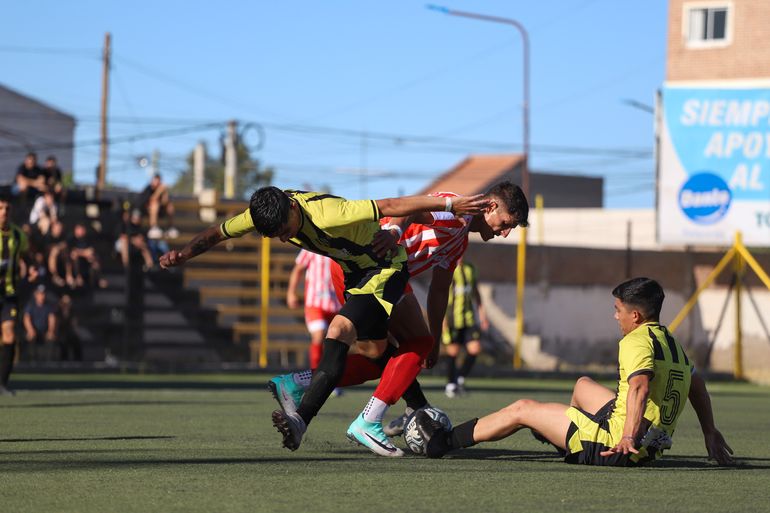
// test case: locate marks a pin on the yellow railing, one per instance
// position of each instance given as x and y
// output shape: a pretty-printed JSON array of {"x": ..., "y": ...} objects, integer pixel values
[{"x": 739, "y": 256}]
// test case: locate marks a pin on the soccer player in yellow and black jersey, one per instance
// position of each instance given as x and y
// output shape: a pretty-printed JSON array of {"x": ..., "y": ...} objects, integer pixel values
[
  {"x": 630, "y": 426},
  {"x": 13, "y": 244},
  {"x": 342, "y": 230},
  {"x": 463, "y": 327}
]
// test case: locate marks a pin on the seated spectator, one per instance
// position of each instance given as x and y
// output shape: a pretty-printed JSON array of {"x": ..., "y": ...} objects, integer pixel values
[
  {"x": 85, "y": 267},
  {"x": 132, "y": 234},
  {"x": 155, "y": 202},
  {"x": 40, "y": 326},
  {"x": 53, "y": 175},
  {"x": 66, "y": 331},
  {"x": 44, "y": 212},
  {"x": 29, "y": 178},
  {"x": 37, "y": 270},
  {"x": 59, "y": 265}
]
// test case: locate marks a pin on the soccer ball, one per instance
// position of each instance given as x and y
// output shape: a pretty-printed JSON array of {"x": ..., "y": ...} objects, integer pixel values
[{"x": 412, "y": 434}]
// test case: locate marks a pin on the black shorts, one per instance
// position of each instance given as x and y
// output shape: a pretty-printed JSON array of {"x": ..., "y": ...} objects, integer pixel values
[
  {"x": 464, "y": 335},
  {"x": 9, "y": 309},
  {"x": 370, "y": 298},
  {"x": 588, "y": 436}
]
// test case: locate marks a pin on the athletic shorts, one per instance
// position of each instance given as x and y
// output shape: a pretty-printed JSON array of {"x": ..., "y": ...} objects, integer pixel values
[
  {"x": 317, "y": 319},
  {"x": 369, "y": 300},
  {"x": 589, "y": 435},
  {"x": 462, "y": 335},
  {"x": 9, "y": 309}
]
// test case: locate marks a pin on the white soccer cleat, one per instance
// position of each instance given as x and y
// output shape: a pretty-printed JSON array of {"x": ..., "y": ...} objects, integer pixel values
[{"x": 291, "y": 426}]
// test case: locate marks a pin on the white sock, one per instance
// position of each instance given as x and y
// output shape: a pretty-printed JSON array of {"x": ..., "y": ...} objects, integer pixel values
[
  {"x": 375, "y": 409},
  {"x": 303, "y": 378}
]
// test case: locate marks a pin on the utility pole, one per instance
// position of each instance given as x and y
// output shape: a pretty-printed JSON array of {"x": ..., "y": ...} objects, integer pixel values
[
  {"x": 231, "y": 159},
  {"x": 155, "y": 162},
  {"x": 199, "y": 162},
  {"x": 101, "y": 171}
]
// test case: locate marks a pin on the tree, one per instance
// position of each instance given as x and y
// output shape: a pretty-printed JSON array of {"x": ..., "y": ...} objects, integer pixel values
[{"x": 249, "y": 175}]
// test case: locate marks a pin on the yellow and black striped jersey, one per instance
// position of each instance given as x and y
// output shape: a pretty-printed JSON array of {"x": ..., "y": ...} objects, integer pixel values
[
  {"x": 332, "y": 226},
  {"x": 650, "y": 348},
  {"x": 461, "y": 311},
  {"x": 13, "y": 242}
]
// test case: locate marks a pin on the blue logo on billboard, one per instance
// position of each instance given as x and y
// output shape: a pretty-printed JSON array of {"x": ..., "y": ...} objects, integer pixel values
[{"x": 705, "y": 198}]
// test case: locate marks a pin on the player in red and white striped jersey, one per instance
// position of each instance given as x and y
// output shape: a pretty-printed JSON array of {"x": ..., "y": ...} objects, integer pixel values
[
  {"x": 434, "y": 241},
  {"x": 321, "y": 303}
]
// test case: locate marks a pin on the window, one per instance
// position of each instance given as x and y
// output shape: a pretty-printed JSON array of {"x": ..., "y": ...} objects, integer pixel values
[{"x": 707, "y": 25}]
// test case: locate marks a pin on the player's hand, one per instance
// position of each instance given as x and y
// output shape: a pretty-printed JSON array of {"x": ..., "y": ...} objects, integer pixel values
[
  {"x": 171, "y": 259},
  {"x": 625, "y": 446},
  {"x": 384, "y": 241},
  {"x": 432, "y": 357},
  {"x": 718, "y": 449},
  {"x": 469, "y": 205},
  {"x": 292, "y": 301}
]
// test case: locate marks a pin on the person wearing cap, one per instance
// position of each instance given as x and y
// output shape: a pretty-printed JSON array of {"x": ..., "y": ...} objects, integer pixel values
[{"x": 40, "y": 326}]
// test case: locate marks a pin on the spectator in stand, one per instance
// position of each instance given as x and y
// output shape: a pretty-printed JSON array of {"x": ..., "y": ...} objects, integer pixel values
[
  {"x": 66, "y": 327},
  {"x": 29, "y": 178},
  {"x": 37, "y": 272},
  {"x": 155, "y": 202},
  {"x": 53, "y": 175},
  {"x": 85, "y": 267},
  {"x": 44, "y": 212},
  {"x": 40, "y": 326},
  {"x": 132, "y": 234},
  {"x": 55, "y": 245}
]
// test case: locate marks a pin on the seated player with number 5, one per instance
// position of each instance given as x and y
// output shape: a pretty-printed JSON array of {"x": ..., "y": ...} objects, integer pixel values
[{"x": 600, "y": 426}]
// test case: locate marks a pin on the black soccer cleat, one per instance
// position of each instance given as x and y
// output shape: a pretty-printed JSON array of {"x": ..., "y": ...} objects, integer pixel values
[{"x": 436, "y": 437}]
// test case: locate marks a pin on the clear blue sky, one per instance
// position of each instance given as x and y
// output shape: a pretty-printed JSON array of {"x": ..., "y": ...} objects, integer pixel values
[{"x": 301, "y": 67}]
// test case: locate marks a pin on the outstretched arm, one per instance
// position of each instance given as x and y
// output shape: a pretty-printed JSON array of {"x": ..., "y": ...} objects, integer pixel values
[
  {"x": 715, "y": 443},
  {"x": 400, "y": 207},
  {"x": 636, "y": 400},
  {"x": 201, "y": 243}
]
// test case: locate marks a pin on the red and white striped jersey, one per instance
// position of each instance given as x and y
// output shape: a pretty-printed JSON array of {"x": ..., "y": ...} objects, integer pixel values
[
  {"x": 319, "y": 289},
  {"x": 440, "y": 243}
]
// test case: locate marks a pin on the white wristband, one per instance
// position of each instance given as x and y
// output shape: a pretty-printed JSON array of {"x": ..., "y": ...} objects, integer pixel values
[
  {"x": 394, "y": 227},
  {"x": 448, "y": 204}
]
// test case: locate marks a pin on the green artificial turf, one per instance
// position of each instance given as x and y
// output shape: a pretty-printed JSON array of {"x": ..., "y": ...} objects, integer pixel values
[{"x": 102, "y": 443}]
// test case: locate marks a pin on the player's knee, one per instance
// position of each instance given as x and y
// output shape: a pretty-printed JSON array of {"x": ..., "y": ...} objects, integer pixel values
[{"x": 515, "y": 411}]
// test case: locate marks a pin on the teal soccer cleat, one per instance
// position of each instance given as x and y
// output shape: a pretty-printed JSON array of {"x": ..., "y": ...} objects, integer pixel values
[
  {"x": 287, "y": 392},
  {"x": 371, "y": 436}
]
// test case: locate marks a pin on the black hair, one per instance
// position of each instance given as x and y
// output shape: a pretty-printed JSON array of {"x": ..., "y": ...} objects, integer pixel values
[
  {"x": 644, "y": 294},
  {"x": 269, "y": 208},
  {"x": 513, "y": 198}
]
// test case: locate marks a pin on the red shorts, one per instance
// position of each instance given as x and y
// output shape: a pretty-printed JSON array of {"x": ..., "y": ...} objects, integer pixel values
[
  {"x": 338, "y": 280},
  {"x": 317, "y": 319}
]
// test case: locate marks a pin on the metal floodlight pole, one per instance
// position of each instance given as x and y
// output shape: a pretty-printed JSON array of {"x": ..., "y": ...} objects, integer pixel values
[
  {"x": 521, "y": 255},
  {"x": 525, "y": 77}
]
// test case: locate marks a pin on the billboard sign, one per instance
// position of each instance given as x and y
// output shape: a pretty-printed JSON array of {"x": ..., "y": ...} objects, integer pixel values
[{"x": 714, "y": 166}]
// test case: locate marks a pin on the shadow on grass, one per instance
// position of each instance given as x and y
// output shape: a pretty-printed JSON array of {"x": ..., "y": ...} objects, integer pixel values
[
  {"x": 121, "y": 403},
  {"x": 87, "y": 439},
  {"x": 24, "y": 465},
  {"x": 699, "y": 463}
]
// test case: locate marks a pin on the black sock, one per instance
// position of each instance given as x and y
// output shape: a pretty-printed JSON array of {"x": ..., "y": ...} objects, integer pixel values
[
  {"x": 470, "y": 359},
  {"x": 462, "y": 435},
  {"x": 414, "y": 397},
  {"x": 451, "y": 363},
  {"x": 325, "y": 378},
  {"x": 6, "y": 365}
]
